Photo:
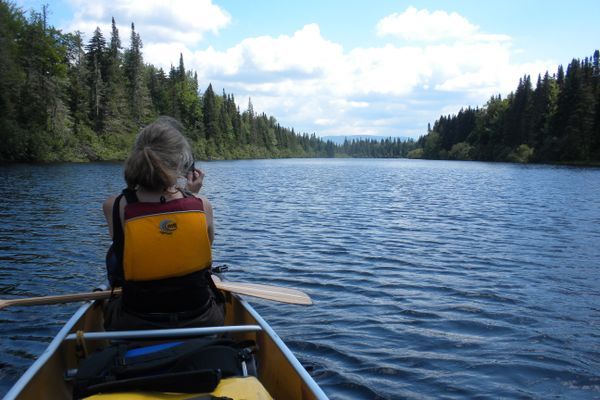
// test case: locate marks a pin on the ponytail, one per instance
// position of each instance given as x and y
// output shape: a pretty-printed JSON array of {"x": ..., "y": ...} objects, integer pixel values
[{"x": 159, "y": 156}]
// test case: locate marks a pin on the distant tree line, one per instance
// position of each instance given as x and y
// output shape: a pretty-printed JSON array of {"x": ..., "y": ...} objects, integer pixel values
[
  {"x": 372, "y": 148},
  {"x": 558, "y": 121}
]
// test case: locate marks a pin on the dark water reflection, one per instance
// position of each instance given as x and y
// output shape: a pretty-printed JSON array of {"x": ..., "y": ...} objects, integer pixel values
[{"x": 431, "y": 279}]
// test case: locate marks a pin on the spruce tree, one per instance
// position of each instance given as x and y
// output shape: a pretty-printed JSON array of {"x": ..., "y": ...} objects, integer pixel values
[
  {"x": 138, "y": 95},
  {"x": 95, "y": 60},
  {"x": 118, "y": 117},
  {"x": 209, "y": 113}
]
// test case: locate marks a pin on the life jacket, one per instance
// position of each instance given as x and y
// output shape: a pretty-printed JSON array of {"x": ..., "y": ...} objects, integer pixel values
[{"x": 161, "y": 255}]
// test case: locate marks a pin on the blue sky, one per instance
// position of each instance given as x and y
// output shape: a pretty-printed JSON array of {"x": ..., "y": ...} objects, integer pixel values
[{"x": 350, "y": 67}]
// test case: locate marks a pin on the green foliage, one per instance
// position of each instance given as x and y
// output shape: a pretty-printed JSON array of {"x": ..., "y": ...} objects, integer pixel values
[
  {"x": 65, "y": 100},
  {"x": 385, "y": 148},
  {"x": 415, "y": 153},
  {"x": 558, "y": 121},
  {"x": 521, "y": 154},
  {"x": 432, "y": 146},
  {"x": 460, "y": 151}
]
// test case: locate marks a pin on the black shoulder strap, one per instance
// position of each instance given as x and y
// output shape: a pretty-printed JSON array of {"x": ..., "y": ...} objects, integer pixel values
[
  {"x": 130, "y": 195},
  {"x": 118, "y": 235},
  {"x": 114, "y": 255},
  {"x": 117, "y": 226}
]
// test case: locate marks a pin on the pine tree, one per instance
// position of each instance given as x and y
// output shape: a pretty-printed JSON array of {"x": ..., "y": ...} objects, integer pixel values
[
  {"x": 43, "y": 98},
  {"x": 95, "y": 60},
  {"x": 158, "y": 91},
  {"x": 118, "y": 117},
  {"x": 209, "y": 113},
  {"x": 578, "y": 101},
  {"x": 134, "y": 73},
  {"x": 12, "y": 80},
  {"x": 518, "y": 118},
  {"x": 186, "y": 99},
  {"x": 249, "y": 119},
  {"x": 78, "y": 79},
  {"x": 543, "y": 109}
]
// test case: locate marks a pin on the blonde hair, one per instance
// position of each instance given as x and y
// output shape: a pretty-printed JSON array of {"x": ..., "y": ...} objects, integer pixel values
[{"x": 159, "y": 156}]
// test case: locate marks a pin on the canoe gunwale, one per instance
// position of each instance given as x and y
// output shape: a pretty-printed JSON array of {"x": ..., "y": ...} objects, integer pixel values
[
  {"x": 48, "y": 352},
  {"x": 291, "y": 358}
]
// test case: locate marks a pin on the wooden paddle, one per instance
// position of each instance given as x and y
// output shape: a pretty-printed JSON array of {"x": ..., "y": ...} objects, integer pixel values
[{"x": 268, "y": 292}]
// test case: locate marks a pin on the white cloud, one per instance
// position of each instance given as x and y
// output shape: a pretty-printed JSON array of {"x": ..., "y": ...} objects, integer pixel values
[
  {"x": 157, "y": 21},
  {"x": 303, "y": 55},
  {"x": 308, "y": 81},
  {"x": 425, "y": 26},
  {"x": 313, "y": 84},
  {"x": 325, "y": 121}
]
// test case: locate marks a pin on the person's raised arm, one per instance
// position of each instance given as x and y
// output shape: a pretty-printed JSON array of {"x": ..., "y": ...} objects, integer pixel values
[{"x": 194, "y": 184}]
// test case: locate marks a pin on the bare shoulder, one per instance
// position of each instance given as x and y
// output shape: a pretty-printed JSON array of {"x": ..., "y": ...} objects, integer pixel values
[
  {"x": 108, "y": 204},
  {"x": 205, "y": 202},
  {"x": 107, "y": 207}
]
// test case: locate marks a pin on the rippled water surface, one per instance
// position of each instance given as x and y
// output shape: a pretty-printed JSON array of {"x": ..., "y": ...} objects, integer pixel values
[{"x": 430, "y": 279}]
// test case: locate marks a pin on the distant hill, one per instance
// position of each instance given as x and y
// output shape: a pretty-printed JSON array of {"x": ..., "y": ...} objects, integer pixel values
[{"x": 340, "y": 139}]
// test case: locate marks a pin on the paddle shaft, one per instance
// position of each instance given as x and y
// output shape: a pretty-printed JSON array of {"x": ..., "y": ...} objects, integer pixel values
[
  {"x": 268, "y": 292},
  {"x": 67, "y": 298}
]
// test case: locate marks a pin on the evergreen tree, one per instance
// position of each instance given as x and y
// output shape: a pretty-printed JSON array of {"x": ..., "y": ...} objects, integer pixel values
[
  {"x": 95, "y": 60},
  {"x": 12, "y": 79},
  {"x": 118, "y": 118},
  {"x": 43, "y": 110},
  {"x": 78, "y": 79},
  {"x": 188, "y": 103},
  {"x": 558, "y": 121},
  {"x": 158, "y": 88},
  {"x": 543, "y": 109},
  {"x": 517, "y": 125},
  {"x": 209, "y": 113},
  {"x": 134, "y": 73},
  {"x": 576, "y": 107}
]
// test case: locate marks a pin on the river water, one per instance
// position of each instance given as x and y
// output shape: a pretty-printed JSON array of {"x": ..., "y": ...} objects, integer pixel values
[{"x": 430, "y": 279}]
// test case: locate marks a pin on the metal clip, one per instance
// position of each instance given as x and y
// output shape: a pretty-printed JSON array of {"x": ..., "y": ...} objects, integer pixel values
[{"x": 220, "y": 269}]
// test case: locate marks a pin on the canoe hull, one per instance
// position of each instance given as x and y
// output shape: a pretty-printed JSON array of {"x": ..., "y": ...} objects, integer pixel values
[{"x": 279, "y": 370}]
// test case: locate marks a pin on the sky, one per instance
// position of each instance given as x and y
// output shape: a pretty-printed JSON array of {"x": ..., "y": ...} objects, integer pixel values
[{"x": 346, "y": 67}]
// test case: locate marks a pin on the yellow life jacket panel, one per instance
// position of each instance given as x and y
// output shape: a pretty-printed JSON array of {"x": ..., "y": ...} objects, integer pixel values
[{"x": 165, "y": 240}]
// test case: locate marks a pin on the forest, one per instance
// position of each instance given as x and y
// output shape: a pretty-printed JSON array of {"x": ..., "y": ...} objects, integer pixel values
[
  {"x": 558, "y": 121},
  {"x": 65, "y": 100}
]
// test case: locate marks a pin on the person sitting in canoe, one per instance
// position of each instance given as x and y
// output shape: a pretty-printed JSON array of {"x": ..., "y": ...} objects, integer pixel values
[{"x": 162, "y": 233}]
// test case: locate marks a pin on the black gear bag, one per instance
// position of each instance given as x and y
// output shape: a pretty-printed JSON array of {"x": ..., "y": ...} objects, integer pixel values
[{"x": 190, "y": 366}]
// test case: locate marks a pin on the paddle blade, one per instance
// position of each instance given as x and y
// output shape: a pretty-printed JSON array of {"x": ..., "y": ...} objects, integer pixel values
[{"x": 268, "y": 292}]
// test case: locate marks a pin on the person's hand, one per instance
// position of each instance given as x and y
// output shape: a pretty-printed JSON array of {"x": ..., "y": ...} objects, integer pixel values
[{"x": 194, "y": 180}]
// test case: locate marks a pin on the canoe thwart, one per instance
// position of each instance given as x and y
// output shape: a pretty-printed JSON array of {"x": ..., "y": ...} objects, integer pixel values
[{"x": 164, "y": 333}]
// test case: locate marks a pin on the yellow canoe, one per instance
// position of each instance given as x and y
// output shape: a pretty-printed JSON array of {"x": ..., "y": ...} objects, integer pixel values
[{"x": 278, "y": 370}]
